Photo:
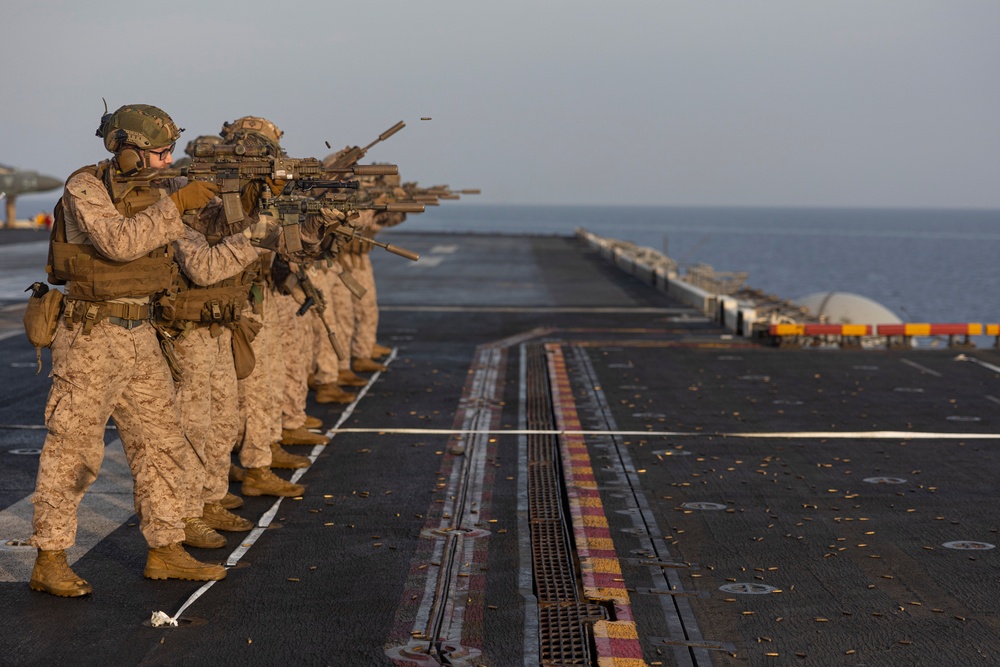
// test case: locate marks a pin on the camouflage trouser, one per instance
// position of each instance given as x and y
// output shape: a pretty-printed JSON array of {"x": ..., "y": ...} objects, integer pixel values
[
  {"x": 261, "y": 392},
  {"x": 343, "y": 312},
  {"x": 365, "y": 309},
  {"x": 208, "y": 398},
  {"x": 297, "y": 348},
  {"x": 338, "y": 315},
  {"x": 120, "y": 373}
]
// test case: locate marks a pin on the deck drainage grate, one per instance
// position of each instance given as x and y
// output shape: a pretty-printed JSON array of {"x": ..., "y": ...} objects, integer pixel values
[
  {"x": 565, "y": 621},
  {"x": 571, "y": 623}
]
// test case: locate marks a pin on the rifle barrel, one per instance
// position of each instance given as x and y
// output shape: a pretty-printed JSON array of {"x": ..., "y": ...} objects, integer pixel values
[
  {"x": 402, "y": 252},
  {"x": 394, "y": 249},
  {"x": 382, "y": 137},
  {"x": 404, "y": 207}
]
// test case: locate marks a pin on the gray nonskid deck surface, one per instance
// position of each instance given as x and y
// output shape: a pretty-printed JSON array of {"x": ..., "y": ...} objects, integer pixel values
[{"x": 761, "y": 481}]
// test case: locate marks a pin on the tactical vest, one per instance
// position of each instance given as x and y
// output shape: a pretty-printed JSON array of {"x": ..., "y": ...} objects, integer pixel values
[
  {"x": 93, "y": 277},
  {"x": 190, "y": 304}
]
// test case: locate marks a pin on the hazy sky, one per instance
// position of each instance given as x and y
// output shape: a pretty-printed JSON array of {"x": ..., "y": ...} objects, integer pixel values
[{"x": 701, "y": 102}]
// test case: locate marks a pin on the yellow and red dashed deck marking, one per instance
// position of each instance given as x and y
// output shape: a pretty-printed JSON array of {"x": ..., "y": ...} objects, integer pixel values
[{"x": 617, "y": 641}]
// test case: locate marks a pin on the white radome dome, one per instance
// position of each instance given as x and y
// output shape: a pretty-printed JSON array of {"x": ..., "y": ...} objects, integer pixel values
[{"x": 847, "y": 308}]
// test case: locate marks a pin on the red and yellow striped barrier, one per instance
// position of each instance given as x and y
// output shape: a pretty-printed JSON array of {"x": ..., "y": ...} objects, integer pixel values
[
  {"x": 821, "y": 330},
  {"x": 905, "y": 330},
  {"x": 926, "y": 329}
]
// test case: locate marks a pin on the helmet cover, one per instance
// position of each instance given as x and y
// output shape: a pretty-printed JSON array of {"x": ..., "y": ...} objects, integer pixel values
[{"x": 141, "y": 125}]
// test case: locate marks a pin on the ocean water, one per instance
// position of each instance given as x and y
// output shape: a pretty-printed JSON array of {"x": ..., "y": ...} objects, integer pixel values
[{"x": 924, "y": 265}]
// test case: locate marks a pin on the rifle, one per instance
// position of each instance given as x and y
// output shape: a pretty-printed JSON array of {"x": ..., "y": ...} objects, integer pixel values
[
  {"x": 312, "y": 296},
  {"x": 351, "y": 155},
  {"x": 428, "y": 196},
  {"x": 233, "y": 166},
  {"x": 292, "y": 211}
]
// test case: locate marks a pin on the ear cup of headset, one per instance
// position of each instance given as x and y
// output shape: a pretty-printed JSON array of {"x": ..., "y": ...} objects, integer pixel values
[{"x": 130, "y": 161}]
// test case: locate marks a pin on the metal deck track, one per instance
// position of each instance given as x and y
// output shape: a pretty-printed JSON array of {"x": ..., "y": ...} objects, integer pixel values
[{"x": 565, "y": 635}]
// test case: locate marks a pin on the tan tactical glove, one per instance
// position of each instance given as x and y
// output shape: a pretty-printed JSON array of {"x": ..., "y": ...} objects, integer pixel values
[
  {"x": 333, "y": 216},
  {"x": 276, "y": 185},
  {"x": 249, "y": 196},
  {"x": 264, "y": 233},
  {"x": 194, "y": 195}
]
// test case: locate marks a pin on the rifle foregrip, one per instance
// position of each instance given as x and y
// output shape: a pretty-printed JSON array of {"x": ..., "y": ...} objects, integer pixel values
[{"x": 306, "y": 305}]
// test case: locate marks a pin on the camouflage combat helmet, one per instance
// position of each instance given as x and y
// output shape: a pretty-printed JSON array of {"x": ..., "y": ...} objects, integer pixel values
[
  {"x": 251, "y": 126},
  {"x": 140, "y": 125},
  {"x": 203, "y": 140}
]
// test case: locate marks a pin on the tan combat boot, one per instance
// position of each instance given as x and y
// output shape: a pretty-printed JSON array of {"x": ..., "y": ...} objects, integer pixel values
[
  {"x": 218, "y": 517},
  {"x": 172, "y": 562},
  {"x": 198, "y": 534},
  {"x": 302, "y": 436},
  {"x": 236, "y": 473},
  {"x": 231, "y": 501},
  {"x": 52, "y": 574},
  {"x": 367, "y": 366},
  {"x": 379, "y": 351},
  {"x": 348, "y": 378},
  {"x": 263, "y": 482},
  {"x": 331, "y": 393},
  {"x": 286, "y": 460},
  {"x": 313, "y": 422}
]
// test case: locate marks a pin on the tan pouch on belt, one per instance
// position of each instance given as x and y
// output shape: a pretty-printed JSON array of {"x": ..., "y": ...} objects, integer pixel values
[
  {"x": 41, "y": 317},
  {"x": 243, "y": 356}
]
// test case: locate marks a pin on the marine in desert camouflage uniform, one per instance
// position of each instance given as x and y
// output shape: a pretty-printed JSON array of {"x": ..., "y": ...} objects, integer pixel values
[
  {"x": 113, "y": 254},
  {"x": 356, "y": 258},
  {"x": 200, "y": 316},
  {"x": 330, "y": 372},
  {"x": 262, "y": 393}
]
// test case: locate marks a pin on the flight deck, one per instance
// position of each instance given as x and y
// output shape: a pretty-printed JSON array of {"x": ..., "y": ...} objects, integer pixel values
[{"x": 561, "y": 466}]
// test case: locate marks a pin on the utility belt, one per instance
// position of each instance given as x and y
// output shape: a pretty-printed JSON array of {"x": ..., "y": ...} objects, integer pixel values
[{"x": 126, "y": 315}]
